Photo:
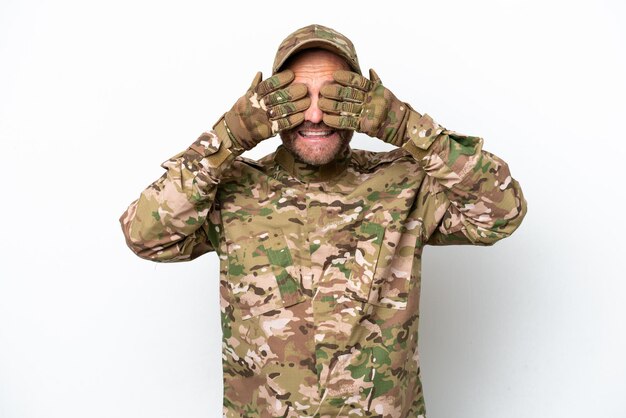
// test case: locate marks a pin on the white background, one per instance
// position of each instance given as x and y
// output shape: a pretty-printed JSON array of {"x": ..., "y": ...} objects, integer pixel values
[{"x": 95, "y": 95}]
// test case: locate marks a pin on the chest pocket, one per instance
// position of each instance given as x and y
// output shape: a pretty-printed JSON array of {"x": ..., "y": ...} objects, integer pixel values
[
  {"x": 261, "y": 273},
  {"x": 381, "y": 265}
]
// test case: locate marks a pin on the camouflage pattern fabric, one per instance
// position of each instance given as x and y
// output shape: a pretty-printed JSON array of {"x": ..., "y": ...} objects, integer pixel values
[
  {"x": 316, "y": 36},
  {"x": 268, "y": 107},
  {"x": 320, "y": 267},
  {"x": 354, "y": 102}
]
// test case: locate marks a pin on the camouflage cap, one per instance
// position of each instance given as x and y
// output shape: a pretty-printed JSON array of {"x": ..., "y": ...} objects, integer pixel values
[{"x": 316, "y": 36}]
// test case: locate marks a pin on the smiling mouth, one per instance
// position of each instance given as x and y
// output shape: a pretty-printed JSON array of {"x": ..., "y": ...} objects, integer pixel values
[{"x": 316, "y": 134}]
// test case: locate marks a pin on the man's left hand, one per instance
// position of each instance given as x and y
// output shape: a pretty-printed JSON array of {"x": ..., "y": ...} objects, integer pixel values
[{"x": 354, "y": 102}]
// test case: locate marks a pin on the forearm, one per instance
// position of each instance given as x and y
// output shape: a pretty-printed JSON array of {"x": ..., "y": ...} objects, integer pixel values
[
  {"x": 168, "y": 222},
  {"x": 486, "y": 203}
]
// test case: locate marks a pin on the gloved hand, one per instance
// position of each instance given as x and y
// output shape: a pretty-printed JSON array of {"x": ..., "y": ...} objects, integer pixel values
[
  {"x": 267, "y": 108},
  {"x": 354, "y": 102}
]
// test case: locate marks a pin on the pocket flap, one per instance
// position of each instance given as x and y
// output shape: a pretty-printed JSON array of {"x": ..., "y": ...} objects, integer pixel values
[{"x": 261, "y": 274}]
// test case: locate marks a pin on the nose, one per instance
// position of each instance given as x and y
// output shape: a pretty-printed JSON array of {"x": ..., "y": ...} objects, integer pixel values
[{"x": 313, "y": 114}]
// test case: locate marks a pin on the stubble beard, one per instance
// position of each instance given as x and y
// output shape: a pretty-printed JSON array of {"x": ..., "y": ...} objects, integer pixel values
[{"x": 316, "y": 152}]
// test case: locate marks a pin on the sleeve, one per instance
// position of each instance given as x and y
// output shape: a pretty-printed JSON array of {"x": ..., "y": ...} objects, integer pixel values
[
  {"x": 176, "y": 218},
  {"x": 468, "y": 195}
]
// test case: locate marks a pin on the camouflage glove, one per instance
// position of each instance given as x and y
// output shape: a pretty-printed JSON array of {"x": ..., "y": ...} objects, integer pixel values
[
  {"x": 354, "y": 102},
  {"x": 267, "y": 108}
]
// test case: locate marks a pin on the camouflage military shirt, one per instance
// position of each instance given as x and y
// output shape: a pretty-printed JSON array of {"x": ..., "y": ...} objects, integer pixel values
[{"x": 320, "y": 266}]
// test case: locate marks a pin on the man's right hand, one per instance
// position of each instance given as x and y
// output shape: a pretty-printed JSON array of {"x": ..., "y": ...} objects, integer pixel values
[{"x": 268, "y": 107}]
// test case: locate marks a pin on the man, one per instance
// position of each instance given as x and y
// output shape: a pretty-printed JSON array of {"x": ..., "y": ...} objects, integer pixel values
[{"x": 320, "y": 244}]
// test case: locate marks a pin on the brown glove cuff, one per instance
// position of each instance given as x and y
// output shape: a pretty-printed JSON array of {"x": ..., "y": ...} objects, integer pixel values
[
  {"x": 228, "y": 139},
  {"x": 393, "y": 130},
  {"x": 420, "y": 134}
]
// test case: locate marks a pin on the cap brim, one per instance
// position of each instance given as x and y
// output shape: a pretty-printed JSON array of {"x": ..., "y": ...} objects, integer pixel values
[{"x": 315, "y": 43}]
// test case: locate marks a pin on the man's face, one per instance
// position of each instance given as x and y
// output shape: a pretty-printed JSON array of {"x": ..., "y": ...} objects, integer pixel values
[{"x": 313, "y": 141}]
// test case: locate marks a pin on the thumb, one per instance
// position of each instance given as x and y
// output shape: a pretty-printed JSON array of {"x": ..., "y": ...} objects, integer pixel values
[
  {"x": 257, "y": 79},
  {"x": 374, "y": 77}
]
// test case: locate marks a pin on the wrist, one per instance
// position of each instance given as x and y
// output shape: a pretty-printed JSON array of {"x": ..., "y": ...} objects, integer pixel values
[
  {"x": 394, "y": 128},
  {"x": 227, "y": 137},
  {"x": 212, "y": 148},
  {"x": 420, "y": 134}
]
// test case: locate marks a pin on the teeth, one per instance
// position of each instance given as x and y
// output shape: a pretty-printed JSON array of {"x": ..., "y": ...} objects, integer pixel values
[{"x": 315, "y": 133}]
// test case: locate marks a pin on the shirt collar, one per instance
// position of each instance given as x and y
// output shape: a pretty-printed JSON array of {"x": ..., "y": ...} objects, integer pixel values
[{"x": 308, "y": 173}]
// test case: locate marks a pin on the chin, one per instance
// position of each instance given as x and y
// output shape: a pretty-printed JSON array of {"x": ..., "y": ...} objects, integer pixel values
[{"x": 318, "y": 150}]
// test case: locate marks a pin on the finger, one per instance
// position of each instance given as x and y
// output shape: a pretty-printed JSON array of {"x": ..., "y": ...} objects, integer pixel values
[
  {"x": 342, "y": 93},
  {"x": 288, "y": 122},
  {"x": 339, "y": 107},
  {"x": 341, "y": 122},
  {"x": 282, "y": 110},
  {"x": 275, "y": 82},
  {"x": 349, "y": 78},
  {"x": 292, "y": 92},
  {"x": 374, "y": 77}
]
